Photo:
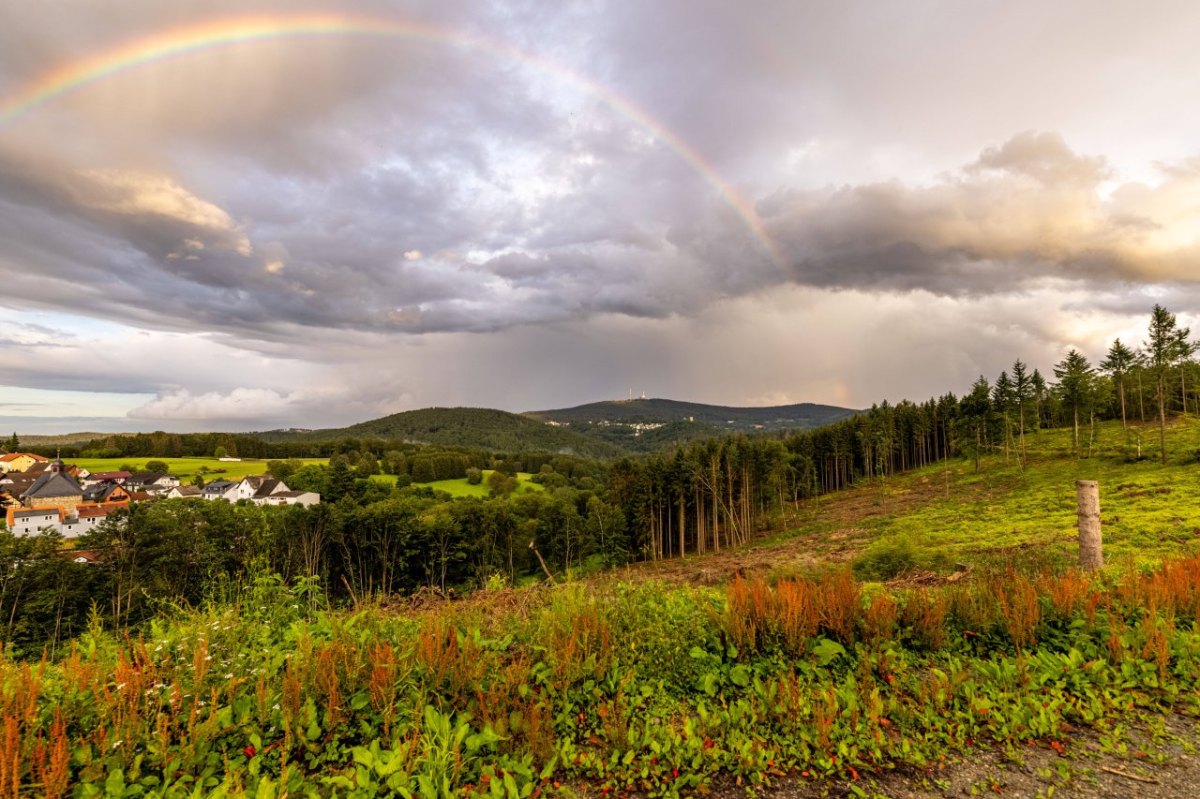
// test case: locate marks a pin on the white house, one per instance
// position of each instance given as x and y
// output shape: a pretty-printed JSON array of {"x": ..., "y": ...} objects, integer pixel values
[
  {"x": 153, "y": 482},
  {"x": 259, "y": 487},
  {"x": 305, "y": 498},
  {"x": 221, "y": 489},
  {"x": 31, "y": 521}
]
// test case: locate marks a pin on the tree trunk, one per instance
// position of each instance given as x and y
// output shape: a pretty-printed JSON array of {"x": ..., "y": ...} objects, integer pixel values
[
  {"x": 1091, "y": 553},
  {"x": 1121, "y": 389},
  {"x": 1162, "y": 418}
]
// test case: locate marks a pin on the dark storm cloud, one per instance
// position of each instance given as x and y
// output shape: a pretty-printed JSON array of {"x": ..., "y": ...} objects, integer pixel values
[
  {"x": 1027, "y": 210},
  {"x": 320, "y": 199}
]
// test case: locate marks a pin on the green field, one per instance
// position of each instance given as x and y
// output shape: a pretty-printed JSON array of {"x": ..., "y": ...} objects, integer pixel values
[
  {"x": 461, "y": 488},
  {"x": 187, "y": 468}
]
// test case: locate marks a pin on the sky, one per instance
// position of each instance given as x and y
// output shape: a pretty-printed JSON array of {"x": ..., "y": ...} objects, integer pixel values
[{"x": 251, "y": 215}]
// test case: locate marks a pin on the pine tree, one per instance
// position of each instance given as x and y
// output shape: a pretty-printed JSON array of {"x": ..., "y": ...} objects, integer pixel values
[
  {"x": 341, "y": 479},
  {"x": 1161, "y": 351},
  {"x": 1185, "y": 348},
  {"x": 1003, "y": 400},
  {"x": 1038, "y": 386},
  {"x": 1117, "y": 365},
  {"x": 976, "y": 407},
  {"x": 1022, "y": 394},
  {"x": 1075, "y": 376}
]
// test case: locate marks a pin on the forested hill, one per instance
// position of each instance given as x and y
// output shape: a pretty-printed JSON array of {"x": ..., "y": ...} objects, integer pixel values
[
  {"x": 476, "y": 428},
  {"x": 801, "y": 416}
]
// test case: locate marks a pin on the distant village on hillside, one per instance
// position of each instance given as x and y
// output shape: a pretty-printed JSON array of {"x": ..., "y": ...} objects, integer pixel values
[{"x": 38, "y": 493}]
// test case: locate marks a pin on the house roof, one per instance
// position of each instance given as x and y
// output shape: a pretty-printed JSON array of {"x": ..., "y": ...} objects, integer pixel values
[
  {"x": 22, "y": 513},
  {"x": 218, "y": 487},
  {"x": 188, "y": 491},
  {"x": 12, "y": 456},
  {"x": 293, "y": 494},
  {"x": 140, "y": 496},
  {"x": 146, "y": 477},
  {"x": 53, "y": 484},
  {"x": 98, "y": 492},
  {"x": 265, "y": 486},
  {"x": 92, "y": 511},
  {"x": 110, "y": 476}
]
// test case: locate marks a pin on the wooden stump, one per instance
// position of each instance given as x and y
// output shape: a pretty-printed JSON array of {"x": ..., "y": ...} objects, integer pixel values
[{"x": 1091, "y": 551}]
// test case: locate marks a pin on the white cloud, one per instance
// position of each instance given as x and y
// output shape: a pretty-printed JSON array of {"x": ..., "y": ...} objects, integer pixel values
[{"x": 133, "y": 193}]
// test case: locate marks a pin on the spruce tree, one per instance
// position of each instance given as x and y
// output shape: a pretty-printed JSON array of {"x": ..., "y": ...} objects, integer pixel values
[
  {"x": 1161, "y": 351},
  {"x": 1120, "y": 360},
  {"x": 975, "y": 409},
  {"x": 1038, "y": 387},
  {"x": 1003, "y": 400},
  {"x": 1022, "y": 387},
  {"x": 1075, "y": 376}
]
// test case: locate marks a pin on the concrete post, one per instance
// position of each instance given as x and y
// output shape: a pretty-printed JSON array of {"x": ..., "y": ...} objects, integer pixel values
[{"x": 1091, "y": 552}]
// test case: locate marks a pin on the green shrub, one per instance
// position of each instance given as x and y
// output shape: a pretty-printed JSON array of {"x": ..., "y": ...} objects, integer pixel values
[{"x": 886, "y": 559}]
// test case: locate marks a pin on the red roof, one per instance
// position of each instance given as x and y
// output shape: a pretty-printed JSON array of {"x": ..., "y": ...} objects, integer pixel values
[{"x": 89, "y": 511}]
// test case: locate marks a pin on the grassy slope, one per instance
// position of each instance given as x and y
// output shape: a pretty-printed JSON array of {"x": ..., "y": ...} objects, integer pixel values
[
  {"x": 1149, "y": 510},
  {"x": 998, "y": 515},
  {"x": 186, "y": 468}
]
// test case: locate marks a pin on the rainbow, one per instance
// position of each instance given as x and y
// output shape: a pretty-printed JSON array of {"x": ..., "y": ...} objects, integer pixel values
[{"x": 186, "y": 40}]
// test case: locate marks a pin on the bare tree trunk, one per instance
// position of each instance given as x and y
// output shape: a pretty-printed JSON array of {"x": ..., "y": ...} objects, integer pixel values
[
  {"x": 1162, "y": 418},
  {"x": 1091, "y": 553},
  {"x": 1121, "y": 388}
]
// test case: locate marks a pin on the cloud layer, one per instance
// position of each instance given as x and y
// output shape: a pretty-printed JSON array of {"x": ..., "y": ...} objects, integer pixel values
[{"x": 371, "y": 213}]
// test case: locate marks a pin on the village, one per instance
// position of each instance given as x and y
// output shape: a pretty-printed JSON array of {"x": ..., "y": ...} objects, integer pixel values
[{"x": 39, "y": 493}]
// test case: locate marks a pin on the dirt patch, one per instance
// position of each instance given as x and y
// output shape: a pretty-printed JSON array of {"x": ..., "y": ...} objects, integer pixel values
[
  {"x": 831, "y": 529},
  {"x": 1162, "y": 766}
]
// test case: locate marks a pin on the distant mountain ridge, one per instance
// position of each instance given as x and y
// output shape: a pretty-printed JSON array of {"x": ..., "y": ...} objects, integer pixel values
[
  {"x": 473, "y": 428},
  {"x": 800, "y": 416},
  {"x": 596, "y": 430}
]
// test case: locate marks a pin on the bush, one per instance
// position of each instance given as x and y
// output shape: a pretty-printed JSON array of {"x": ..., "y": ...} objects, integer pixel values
[
  {"x": 474, "y": 476},
  {"x": 886, "y": 559}
]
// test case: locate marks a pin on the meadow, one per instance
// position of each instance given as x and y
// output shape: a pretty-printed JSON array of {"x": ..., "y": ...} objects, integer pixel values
[
  {"x": 930, "y": 615},
  {"x": 461, "y": 488},
  {"x": 187, "y": 468}
]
